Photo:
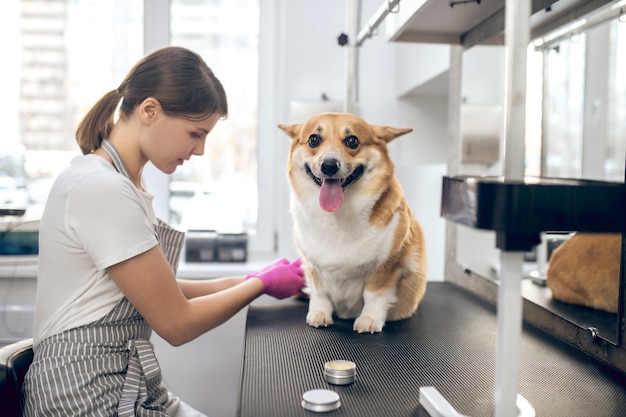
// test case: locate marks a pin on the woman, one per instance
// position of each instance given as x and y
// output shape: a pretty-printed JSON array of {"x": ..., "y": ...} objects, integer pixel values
[{"x": 107, "y": 264}]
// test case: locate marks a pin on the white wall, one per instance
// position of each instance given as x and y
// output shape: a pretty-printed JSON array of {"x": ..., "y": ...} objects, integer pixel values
[{"x": 311, "y": 63}]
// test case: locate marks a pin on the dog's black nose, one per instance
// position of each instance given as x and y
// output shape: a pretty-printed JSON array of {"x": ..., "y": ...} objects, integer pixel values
[{"x": 330, "y": 166}]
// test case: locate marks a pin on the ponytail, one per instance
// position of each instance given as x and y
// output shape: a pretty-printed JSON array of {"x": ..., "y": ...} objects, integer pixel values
[{"x": 97, "y": 123}]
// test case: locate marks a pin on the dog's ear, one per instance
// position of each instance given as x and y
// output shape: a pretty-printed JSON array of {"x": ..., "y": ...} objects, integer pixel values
[
  {"x": 388, "y": 134},
  {"x": 291, "y": 130}
]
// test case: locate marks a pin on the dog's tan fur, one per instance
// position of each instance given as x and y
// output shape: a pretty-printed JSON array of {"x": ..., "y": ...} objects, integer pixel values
[
  {"x": 585, "y": 269},
  {"x": 365, "y": 259}
]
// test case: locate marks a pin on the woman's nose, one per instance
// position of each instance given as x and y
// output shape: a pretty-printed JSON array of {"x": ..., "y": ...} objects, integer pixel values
[{"x": 199, "y": 148}]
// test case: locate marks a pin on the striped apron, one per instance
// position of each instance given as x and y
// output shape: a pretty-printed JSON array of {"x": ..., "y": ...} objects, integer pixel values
[{"x": 105, "y": 368}]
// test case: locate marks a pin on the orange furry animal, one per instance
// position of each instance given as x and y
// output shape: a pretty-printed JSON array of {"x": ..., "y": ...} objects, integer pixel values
[
  {"x": 585, "y": 270},
  {"x": 363, "y": 250}
]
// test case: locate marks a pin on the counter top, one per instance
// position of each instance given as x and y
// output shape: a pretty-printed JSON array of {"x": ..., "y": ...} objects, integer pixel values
[
  {"x": 26, "y": 267},
  {"x": 449, "y": 344}
]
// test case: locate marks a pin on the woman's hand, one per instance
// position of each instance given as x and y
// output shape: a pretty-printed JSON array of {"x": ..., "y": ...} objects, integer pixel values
[{"x": 281, "y": 278}]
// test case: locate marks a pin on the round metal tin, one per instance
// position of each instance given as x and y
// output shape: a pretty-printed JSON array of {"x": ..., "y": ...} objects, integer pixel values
[
  {"x": 339, "y": 372},
  {"x": 320, "y": 400}
]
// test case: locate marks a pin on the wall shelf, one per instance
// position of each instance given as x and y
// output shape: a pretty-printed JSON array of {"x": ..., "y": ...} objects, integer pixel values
[{"x": 469, "y": 24}]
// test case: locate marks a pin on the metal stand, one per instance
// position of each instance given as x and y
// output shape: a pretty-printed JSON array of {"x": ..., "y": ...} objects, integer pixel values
[
  {"x": 517, "y": 37},
  {"x": 509, "y": 333},
  {"x": 516, "y": 209},
  {"x": 507, "y": 401}
]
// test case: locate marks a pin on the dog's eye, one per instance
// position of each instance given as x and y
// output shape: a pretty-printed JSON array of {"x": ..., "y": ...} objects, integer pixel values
[
  {"x": 352, "y": 142},
  {"x": 314, "y": 140}
]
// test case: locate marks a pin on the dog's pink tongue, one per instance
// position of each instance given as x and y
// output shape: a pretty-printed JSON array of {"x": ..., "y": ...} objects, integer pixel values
[{"x": 331, "y": 195}]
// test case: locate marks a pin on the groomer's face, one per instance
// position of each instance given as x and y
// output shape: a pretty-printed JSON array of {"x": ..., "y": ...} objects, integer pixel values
[{"x": 173, "y": 140}]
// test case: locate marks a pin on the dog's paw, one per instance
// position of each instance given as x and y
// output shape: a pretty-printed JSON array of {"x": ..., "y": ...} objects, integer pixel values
[
  {"x": 368, "y": 324},
  {"x": 319, "y": 319}
]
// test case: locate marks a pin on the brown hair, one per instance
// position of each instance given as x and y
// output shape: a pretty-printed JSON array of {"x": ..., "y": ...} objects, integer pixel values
[{"x": 177, "y": 77}]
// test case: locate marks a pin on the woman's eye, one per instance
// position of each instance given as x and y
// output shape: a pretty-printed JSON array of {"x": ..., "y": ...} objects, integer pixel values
[
  {"x": 352, "y": 142},
  {"x": 314, "y": 140}
]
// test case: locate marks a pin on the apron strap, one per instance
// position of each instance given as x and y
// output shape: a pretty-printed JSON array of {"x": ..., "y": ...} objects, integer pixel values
[
  {"x": 142, "y": 367},
  {"x": 171, "y": 242},
  {"x": 109, "y": 148}
]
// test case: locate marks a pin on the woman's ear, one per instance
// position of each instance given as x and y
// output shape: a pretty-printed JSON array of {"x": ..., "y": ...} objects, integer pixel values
[{"x": 149, "y": 109}]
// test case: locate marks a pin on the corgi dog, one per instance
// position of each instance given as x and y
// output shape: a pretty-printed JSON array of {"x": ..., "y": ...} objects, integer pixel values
[{"x": 363, "y": 250}]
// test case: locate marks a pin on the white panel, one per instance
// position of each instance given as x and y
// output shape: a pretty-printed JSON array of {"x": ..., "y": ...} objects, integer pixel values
[
  {"x": 422, "y": 190},
  {"x": 476, "y": 251},
  {"x": 16, "y": 323}
]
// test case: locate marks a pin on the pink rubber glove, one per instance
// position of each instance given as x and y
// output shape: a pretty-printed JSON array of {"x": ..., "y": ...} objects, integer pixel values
[
  {"x": 281, "y": 279},
  {"x": 277, "y": 262}
]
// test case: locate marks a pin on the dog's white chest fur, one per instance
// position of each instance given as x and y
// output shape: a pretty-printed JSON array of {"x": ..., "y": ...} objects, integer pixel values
[{"x": 343, "y": 248}]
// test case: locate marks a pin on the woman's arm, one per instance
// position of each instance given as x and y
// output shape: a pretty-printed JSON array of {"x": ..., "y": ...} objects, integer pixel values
[
  {"x": 150, "y": 285},
  {"x": 197, "y": 288}
]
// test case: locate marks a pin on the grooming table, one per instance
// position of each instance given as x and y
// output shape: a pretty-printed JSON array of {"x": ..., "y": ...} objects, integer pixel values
[{"x": 449, "y": 344}]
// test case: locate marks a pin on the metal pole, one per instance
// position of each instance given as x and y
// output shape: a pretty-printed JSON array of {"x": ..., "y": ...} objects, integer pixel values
[
  {"x": 371, "y": 26},
  {"x": 509, "y": 333},
  {"x": 351, "y": 27},
  {"x": 517, "y": 37}
]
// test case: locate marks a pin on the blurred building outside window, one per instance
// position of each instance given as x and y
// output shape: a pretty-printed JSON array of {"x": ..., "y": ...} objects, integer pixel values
[
  {"x": 218, "y": 191},
  {"x": 68, "y": 53},
  {"x": 578, "y": 121}
]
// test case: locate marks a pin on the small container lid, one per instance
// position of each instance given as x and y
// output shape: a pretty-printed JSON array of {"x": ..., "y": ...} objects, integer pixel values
[
  {"x": 340, "y": 368},
  {"x": 320, "y": 400}
]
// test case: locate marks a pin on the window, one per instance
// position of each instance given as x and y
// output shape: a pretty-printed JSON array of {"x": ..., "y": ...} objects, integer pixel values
[
  {"x": 68, "y": 54},
  {"x": 71, "y": 52},
  {"x": 616, "y": 108},
  {"x": 583, "y": 123},
  {"x": 564, "y": 82},
  {"x": 226, "y": 34}
]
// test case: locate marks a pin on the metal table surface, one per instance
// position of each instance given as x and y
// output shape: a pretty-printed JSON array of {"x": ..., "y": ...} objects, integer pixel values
[{"x": 449, "y": 344}]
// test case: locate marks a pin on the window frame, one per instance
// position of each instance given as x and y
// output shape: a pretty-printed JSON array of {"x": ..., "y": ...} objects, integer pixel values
[{"x": 263, "y": 245}]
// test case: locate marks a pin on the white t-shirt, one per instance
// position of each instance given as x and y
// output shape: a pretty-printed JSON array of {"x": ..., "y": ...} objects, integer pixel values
[{"x": 94, "y": 218}]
